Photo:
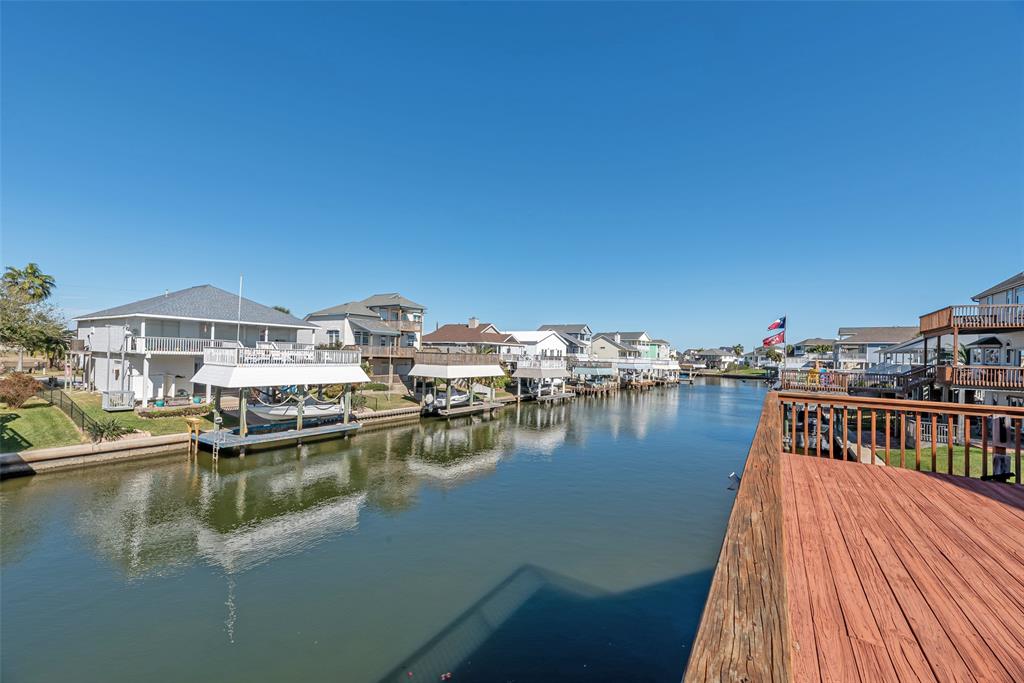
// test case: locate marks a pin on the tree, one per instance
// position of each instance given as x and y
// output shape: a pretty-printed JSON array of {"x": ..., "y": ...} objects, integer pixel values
[
  {"x": 33, "y": 283},
  {"x": 773, "y": 355},
  {"x": 283, "y": 309},
  {"x": 820, "y": 348},
  {"x": 738, "y": 349},
  {"x": 27, "y": 322},
  {"x": 789, "y": 349}
]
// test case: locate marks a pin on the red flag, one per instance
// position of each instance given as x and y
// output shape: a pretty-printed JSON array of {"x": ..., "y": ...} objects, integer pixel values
[{"x": 775, "y": 339}]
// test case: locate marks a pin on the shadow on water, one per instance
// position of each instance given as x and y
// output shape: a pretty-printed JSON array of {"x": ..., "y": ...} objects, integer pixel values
[{"x": 540, "y": 625}]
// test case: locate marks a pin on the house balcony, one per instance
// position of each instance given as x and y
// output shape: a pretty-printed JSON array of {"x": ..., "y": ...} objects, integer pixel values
[
  {"x": 404, "y": 325},
  {"x": 441, "y": 358},
  {"x": 540, "y": 362},
  {"x": 974, "y": 318},
  {"x": 1003, "y": 377}
]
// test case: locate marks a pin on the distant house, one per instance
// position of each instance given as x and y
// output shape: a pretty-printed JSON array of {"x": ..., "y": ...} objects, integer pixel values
[
  {"x": 605, "y": 347},
  {"x": 153, "y": 347},
  {"x": 718, "y": 358},
  {"x": 860, "y": 348},
  {"x": 381, "y": 320},
  {"x": 577, "y": 337},
  {"x": 814, "y": 350},
  {"x": 472, "y": 337},
  {"x": 541, "y": 343}
]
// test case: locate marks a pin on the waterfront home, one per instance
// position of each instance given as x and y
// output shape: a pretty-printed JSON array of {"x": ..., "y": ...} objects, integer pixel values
[
  {"x": 153, "y": 347},
  {"x": 541, "y": 343},
  {"x": 718, "y": 358},
  {"x": 990, "y": 333},
  {"x": 472, "y": 337},
  {"x": 381, "y": 320},
  {"x": 577, "y": 337},
  {"x": 861, "y": 348},
  {"x": 605, "y": 347},
  {"x": 386, "y": 328},
  {"x": 808, "y": 352}
]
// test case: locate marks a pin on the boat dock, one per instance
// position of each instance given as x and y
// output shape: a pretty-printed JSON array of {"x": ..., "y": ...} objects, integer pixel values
[
  {"x": 474, "y": 409},
  {"x": 557, "y": 396},
  {"x": 834, "y": 569},
  {"x": 226, "y": 440}
]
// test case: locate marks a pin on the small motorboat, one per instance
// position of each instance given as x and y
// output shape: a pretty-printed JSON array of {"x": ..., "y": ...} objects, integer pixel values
[
  {"x": 290, "y": 410},
  {"x": 441, "y": 400}
]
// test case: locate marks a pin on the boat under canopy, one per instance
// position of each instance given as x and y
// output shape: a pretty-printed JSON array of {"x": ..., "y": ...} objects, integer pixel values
[{"x": 243, "y": 376}]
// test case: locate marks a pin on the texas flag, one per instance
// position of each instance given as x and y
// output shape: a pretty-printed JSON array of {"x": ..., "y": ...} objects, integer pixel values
[
  {"x": 775, "y": 339},
  {"x": 778, "y": 324}
]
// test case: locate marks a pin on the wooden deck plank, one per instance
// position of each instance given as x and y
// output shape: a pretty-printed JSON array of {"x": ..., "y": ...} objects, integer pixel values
[{"x": 802, "y": 638}]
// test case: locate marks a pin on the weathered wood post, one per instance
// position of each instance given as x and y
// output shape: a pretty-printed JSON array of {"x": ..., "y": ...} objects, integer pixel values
[
  {"x": 243, "y": 428},
  {"x": 216, "y": 404},
  {"x": 301, "y": 407},
  {"x": 347, "y": 399}
]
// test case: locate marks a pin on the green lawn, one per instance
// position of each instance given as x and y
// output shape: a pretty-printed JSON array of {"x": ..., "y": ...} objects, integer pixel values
[
  {"x": 753, "y": 372},
  {"x": 36, "y": 425},
  {"x": 92, "y": 404},
  {"x": 941, "y": 457},
  {"x": 383, "y": 400}
]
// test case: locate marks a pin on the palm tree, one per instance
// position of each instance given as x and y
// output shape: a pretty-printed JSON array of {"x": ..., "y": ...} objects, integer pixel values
[
  {"x": 283, "y": 309},
  {"x": 30, "y": 281}
]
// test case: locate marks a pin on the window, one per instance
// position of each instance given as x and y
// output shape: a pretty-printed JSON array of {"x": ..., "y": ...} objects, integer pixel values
[
  {"x": 362, "y": 338},
  {"x": 333, "y": 336}
]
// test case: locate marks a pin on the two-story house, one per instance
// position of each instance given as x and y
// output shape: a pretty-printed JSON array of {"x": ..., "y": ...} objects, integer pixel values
[
  {"x": 977, "y": 349},
  {"x": 860, "y": 348},
  {"x": 814, "y": 350},
  {"x": 154, "y": 346},
  {"x": 381, "y": 320},
  {"x": 577, "y": 338}
]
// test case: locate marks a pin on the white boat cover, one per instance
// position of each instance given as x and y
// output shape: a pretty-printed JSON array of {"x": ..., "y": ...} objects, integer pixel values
[
  {"x": 239, "y": 377},
  {"x": 540, "y": 373},
  {"x": 455, "y": 371}
]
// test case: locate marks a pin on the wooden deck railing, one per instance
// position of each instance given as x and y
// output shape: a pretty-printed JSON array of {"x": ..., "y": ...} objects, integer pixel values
[
  {"x": 974, "y": 317},
  {"x": 876, "y": 431},
  {"x": 982, "y": 376},
  {"x": 744, "y": 631},
  {"x": 811, "y": 380},
  {"x": 386, "y": 351}
]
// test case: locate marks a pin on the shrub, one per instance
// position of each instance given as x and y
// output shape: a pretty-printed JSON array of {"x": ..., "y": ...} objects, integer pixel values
[
  {"x": 175, "y": 411},
  {"x": 16, "y": 388},
  {"x": 358, "y": 401},
  {"x": 375, "y": 386},
  {"x": 107, "y": 429}
]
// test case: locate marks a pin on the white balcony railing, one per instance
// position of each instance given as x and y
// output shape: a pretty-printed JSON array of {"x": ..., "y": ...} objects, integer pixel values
[
  {"x": 540, "y": 362},
  {"x": 183, "y": 346},
  {"x": 265, "y": 356}
]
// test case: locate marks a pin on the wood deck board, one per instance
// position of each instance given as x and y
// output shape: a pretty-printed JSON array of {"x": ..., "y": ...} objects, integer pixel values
[{"x": 891, "y": 572}]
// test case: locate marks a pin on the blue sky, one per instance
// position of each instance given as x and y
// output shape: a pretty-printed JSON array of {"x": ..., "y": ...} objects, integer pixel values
[{"x": 690, "y": 169}]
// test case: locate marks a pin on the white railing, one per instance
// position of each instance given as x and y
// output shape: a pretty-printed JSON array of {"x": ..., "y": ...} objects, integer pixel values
[
  {"x": 941, "y": 432},
  {"x": 540, "y": 362},
  {"x": 264, "y": 356},
  {"x": 190, "y": 346},
  {"x": 118, "y": 400},
  {"x": 283, "y": 346}
]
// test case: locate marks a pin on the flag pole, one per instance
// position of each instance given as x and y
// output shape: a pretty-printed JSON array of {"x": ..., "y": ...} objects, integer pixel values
[{"x": 238, "y": 327}]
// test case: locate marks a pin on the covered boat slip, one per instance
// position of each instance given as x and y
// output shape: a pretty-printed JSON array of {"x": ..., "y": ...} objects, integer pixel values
[
  {"x": 245, "y": 369},
  {"x": 451, "y": 367}
]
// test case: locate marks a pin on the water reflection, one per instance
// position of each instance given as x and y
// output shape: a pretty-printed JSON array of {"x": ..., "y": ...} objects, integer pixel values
[{"x": 603, "y": 514}]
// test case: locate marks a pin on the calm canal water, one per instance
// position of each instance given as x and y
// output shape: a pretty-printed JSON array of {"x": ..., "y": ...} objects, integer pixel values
[{"x": 570, "y": 542}]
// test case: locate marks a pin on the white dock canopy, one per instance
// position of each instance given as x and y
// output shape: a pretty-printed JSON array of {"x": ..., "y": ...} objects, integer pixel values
[
  {"x": 455, "y": 371},
  {"x": 243, "y": 376},
  {"x": 540, "y": 373}
]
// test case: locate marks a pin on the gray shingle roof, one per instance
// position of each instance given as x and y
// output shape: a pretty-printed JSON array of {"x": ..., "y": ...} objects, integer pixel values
[
  {"x": 578, "y": 328},
  {"x": 1014, "y": 281},
  {"x": 878, "y": 335},
  {"x": 611, "y": 340},
  {"x": 350, "y": 308},
  {"x": 632, "y": 336},
  {"x": 203, "y": 302},
  {"x": 391, "y": 299}
]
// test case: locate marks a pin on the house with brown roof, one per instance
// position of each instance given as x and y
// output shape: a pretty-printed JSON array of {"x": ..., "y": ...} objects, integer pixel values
[{"x": 471, "y": 337}]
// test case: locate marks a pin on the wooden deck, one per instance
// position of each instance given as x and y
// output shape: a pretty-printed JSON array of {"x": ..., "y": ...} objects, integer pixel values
[
  {"x": 837, "y": 570},
  {"x": 896, "y": 575},
  {"x": 475, "y": 409}
]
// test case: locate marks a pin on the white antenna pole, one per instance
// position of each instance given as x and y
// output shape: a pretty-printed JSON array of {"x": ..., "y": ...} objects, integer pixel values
[{"x": 238, "y": 327}]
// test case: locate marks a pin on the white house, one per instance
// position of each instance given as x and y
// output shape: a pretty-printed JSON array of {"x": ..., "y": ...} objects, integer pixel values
[
  {"x": 154, "y": 346},
  {"x": 541, "y": 343},
  {"x": 380, "y": 320}
]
